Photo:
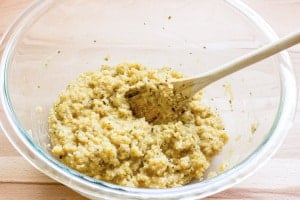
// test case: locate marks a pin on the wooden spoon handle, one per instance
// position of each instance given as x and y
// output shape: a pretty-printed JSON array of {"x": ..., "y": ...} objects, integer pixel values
[{"x": 259, "y": 54}]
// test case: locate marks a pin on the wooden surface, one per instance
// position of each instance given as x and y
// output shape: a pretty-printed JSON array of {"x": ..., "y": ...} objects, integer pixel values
[{"x": 278, "y": 179}]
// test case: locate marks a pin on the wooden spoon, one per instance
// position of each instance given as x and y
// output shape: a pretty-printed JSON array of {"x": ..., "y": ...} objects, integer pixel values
[{"x": 187, "y": 87}]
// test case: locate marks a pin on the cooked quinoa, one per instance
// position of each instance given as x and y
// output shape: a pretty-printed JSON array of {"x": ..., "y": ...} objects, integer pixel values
[
  {"x": 94, "y": 131},
  {"x": 158, "y": 103}
]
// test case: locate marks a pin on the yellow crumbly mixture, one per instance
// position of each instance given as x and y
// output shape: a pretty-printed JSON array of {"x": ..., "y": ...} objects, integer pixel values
[
  {"x": 158, "y": 103},
  {"x": 94, "y": 131}
]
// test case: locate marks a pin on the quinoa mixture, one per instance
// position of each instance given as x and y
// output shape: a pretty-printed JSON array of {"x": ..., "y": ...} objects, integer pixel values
[
  {"x": 94, "y": 131},
  {"x": 158, "y": 103}
]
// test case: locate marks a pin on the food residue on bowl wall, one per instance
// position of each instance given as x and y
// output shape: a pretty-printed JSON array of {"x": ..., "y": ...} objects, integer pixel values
[
  {"x": 107, "y": 58},
  {"x": 229, "y": 93},
  {"x": 254, "y": 127},
  {"x": 38, "y": 109},
  {"x": 212, "y": 174},
  {"x": 94, "y": 131},
  {"x": 223, "y": 167}
]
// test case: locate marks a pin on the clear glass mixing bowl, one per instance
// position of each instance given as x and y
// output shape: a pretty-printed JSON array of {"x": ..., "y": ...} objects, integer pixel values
[{"x": 52, "y": 42}]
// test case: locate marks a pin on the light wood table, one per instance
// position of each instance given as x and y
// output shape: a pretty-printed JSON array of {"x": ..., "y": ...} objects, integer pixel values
[{"x": 278, "y": 179}]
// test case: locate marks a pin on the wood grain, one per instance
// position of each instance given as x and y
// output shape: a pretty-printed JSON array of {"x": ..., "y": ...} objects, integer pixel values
[
  {"x": 278, "y": 179},
  {"x": 28, "y": 191}
]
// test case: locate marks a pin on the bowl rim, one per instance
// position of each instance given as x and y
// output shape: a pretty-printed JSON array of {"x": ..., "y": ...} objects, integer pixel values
[{"x": 19, "y": 138}]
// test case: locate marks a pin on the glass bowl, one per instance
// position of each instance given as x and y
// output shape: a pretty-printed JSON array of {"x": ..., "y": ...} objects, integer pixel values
[{"x": 52, "y": 42}]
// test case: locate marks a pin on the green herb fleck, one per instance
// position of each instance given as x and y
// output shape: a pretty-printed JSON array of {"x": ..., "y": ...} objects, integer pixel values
[{"x": 106, "y": 58}]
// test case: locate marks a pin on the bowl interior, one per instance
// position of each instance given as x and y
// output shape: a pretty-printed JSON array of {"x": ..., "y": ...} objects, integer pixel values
[{"x": 67, "y": 38}]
